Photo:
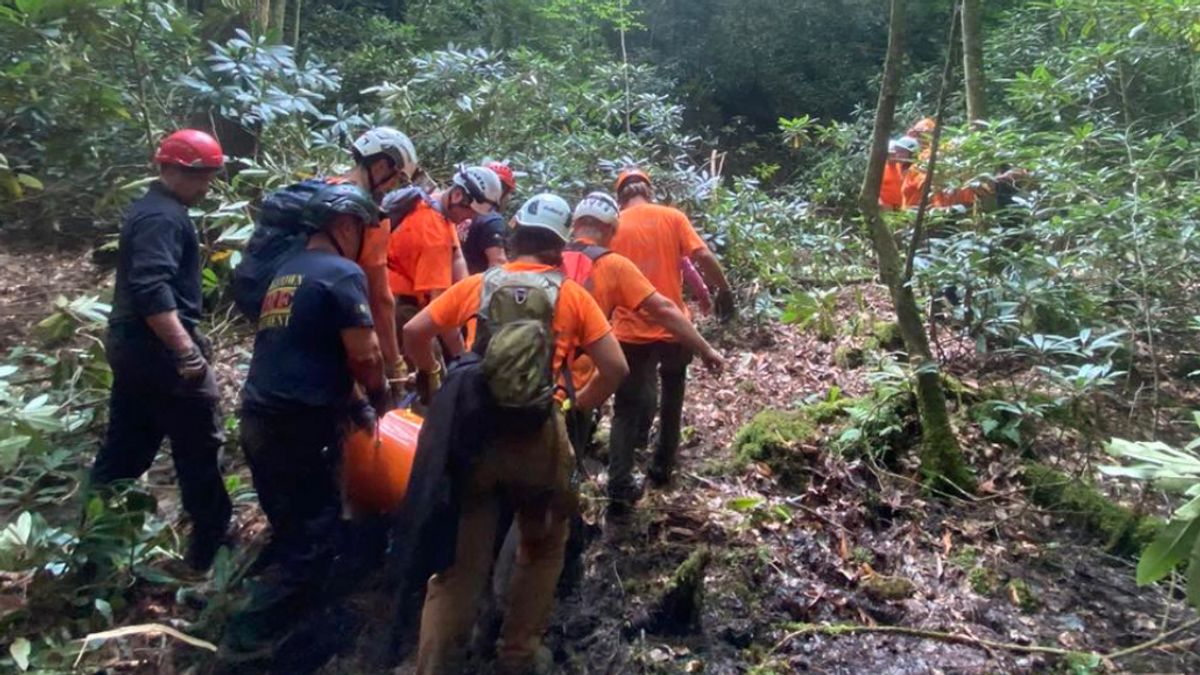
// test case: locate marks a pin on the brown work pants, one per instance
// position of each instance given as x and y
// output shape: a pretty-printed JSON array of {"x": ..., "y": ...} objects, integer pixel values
[{"x": 533, "y": 472}]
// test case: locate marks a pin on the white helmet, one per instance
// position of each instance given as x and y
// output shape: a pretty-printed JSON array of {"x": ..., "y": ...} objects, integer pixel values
[
  {"x": 598, "y": 205},
  {"x": 547, "y": 211},
  {"x": 391, "y": 143},
  {"x": 482, "y": 185},
  {"x": 904, "y": 143}
]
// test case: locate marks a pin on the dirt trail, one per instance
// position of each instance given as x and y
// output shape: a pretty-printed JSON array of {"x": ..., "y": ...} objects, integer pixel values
[{"x": 997, "y": 569}]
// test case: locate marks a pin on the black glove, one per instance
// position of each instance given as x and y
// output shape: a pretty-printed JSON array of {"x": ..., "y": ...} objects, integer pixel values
[
  {"x": 362, "y": 415},
  {"x": 204, "y": 345},
  {"x": 723, "y": 303},
  {"x": 190, "y": 363}
]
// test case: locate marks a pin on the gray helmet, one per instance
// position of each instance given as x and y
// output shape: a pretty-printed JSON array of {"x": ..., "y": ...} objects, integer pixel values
[
  {"x": 547, "y": 212},
  {"x": 322, "y": 209},
  {"x": 391, "y": 143}
]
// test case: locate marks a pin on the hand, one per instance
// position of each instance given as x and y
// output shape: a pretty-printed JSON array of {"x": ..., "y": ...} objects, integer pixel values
[
  {"x": 713, "y": 360},
  {"x": 190, "y": 363},
  {"x": 427, "y": 384},
  {"x": 726, "y": 311},
  {"x": 397, "y": 381},
  {"x": 203, "y": 344},
  {"x": 362, "y": 415},
  {"x": 705, "y": 303}
]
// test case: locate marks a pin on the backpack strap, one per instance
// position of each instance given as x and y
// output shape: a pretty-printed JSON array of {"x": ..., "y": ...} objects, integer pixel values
[{"x": 594, "y": 252}]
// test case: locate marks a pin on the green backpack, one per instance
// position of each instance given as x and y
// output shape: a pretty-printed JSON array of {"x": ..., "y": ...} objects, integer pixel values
[{"x": 515, "y": 336}]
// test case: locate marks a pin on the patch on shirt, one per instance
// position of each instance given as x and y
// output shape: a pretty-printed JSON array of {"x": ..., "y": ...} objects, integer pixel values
[
  {"x": 277, "y": 305},
  {"x": 363, "y": 310}
]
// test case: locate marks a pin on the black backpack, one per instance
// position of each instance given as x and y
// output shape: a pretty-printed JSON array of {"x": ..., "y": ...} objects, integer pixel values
[{"x": 278, "y": 236}]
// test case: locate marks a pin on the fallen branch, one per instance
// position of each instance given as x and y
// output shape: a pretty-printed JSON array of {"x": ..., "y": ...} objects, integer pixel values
[
  {"x": 988, "y": 645},
  {"x": 142, "y": 629}
]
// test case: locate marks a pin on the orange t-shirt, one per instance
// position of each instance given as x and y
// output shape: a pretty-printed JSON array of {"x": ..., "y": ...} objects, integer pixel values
[
  {"x": 914, "y": 184},
  {"x": 614, "y": 282},
  {"x": 421, "y": 253},
  {"x": 655, "y": 238},
  {"x": 578, "y": 321},
  {"x": 890, "y": 193}
]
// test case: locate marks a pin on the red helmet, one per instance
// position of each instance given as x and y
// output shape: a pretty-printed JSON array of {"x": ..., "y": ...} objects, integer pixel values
[
  {"x": 631, "y": 174},
  {"x": 190, "y": 148},
  {"x": 505, "y": 173}
]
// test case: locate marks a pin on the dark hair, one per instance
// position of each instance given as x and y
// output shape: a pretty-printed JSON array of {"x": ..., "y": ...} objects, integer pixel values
[
  {"x": 537, "y": 242},
  {"x": 635, "y": 188}
]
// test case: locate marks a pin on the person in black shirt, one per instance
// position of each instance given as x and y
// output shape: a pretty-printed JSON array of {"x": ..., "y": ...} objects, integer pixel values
[
  {"x": 162, "y": 383},
  {"x": 484, "y": 246},
  {"x": 315, "y": 341}
]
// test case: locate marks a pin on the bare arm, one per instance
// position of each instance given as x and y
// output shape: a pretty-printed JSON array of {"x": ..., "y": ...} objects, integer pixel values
[
  {"x": 611, "y": 368},
  {"x": 383, "y": 314},
  {"x": 452, "y": 340},
  {"x": 715, "y": 276},
  {"x": 169, "y": 329},
  {"x": 365, "y": 360},
  {"x": 495, "y": 255},
  {"x": 458, "y": 266},
  {"x": 418, "y": 341},
  {"x": 664, "y": 313}
]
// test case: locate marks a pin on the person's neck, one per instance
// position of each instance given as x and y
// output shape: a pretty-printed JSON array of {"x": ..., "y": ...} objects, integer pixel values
[
  {"x": 591, "y": 236},
  {"x": 321, "y": 241},
  {"x": 358, "y": 175},
  {"x": 169, "y": 188},
  {"x": 529, "y": 260},
  {"x": 636, "y": 201}
]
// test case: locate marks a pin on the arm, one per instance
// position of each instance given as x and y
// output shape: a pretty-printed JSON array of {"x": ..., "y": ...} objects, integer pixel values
[
  {"x": 692, "y": 278},
  {"x": 383, "y": 313},
  {"x": 715, "y": 276},
  {"x": 495, "y": 255},
  {"x": 664, "y": 313},
  {"x": 365, "y": 360},
  {"x": 169, "y": 329},
  {"x": 418, "y": 340},
  {"x": 458, "y": 265},
  {"x": 452, "y": 340},
  {"x": 611, "y": 368}
]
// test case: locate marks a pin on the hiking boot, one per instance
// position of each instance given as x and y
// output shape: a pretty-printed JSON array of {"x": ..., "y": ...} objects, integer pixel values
[
  {"x": 623, "y": 496},
  {"x": 202, "y": 549},
  {"x": 659, "y": 474}
]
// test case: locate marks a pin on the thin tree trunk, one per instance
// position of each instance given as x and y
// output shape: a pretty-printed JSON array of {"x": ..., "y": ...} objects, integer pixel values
[
  {"x": 296, "y": 26},
  {"x": 972, "y": 40},
  {"x": 263, "y": 14},
  {"x": 279, "y": 18},
  {"x": 941, "y": 459}
]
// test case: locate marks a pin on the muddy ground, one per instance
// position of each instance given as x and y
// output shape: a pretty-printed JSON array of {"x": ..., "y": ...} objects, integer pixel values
[{"x": 852, "y": 543}]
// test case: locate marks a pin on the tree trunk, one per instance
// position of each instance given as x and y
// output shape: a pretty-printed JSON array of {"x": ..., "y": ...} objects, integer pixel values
[
  {"x": 279, "y": 18},
  {"x": 972, "y": 41},
  {"x": 941, "y": 459},
  {"x": 262, "y": 14},
  {"x": 296, "y": 26}
]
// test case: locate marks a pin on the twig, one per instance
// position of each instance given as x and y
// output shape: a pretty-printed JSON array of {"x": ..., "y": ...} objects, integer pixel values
[
  {"x": 142, "y": 629},
  {"x": 1152, "y": 642}
]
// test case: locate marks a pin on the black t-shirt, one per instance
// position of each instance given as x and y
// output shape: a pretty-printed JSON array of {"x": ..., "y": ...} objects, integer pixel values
[
  {"x": 486, "y": 231},
  {"x": 158, "y": 268},
  {"x": 299, "y": 360}
]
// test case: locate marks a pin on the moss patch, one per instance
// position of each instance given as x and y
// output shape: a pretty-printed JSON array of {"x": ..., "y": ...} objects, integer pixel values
[
  {"x": 773, "y": 437},
  {"x": 888, "y": 335},
  {"x": 1122, "y": 529},
  {"x": 888, "y": 588},
  {"x": 1021, "y": 596},
  {"x": 983, "y": 580}
]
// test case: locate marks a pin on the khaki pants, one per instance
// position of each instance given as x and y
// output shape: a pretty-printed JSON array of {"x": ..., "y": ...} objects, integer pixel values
[{"x": 533, "y": 472}]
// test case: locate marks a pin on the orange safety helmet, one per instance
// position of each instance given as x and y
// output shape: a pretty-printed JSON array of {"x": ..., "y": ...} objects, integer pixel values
[
  {"x": 632, "y": 173},
  {"x": 924, "y": 126},
  {"x": 376, "y": 468}
]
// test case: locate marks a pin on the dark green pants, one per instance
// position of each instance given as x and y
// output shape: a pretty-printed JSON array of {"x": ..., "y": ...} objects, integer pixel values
[{"x": 637, "y": 402}]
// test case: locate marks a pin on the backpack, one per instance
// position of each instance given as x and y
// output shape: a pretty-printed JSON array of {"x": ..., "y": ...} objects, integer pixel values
[
  {"x": 277, "y": 237},
  {"x": 398, "y": 203},
  {"x": 578, "y": 259},
  {"x": 515, "y": 337}
]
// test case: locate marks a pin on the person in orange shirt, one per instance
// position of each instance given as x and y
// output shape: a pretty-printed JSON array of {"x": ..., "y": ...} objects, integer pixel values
[
  {"x": 531, "y": 470},
  {"x": 900, "y": 157},
  {"x": 423, "y": 250},
  {"x": 655, "y": 238},
  {"x": 384, "y": 159}
]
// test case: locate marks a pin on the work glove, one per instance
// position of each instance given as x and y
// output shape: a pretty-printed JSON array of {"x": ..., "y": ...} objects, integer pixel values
[
  {"x": 428, "y": 384},
  {"x": 726, "y": 310},
  {"x": 204, "y": 345},
  {"x": 190, "y": 363},
  {"x": 362, "y": 415}
]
